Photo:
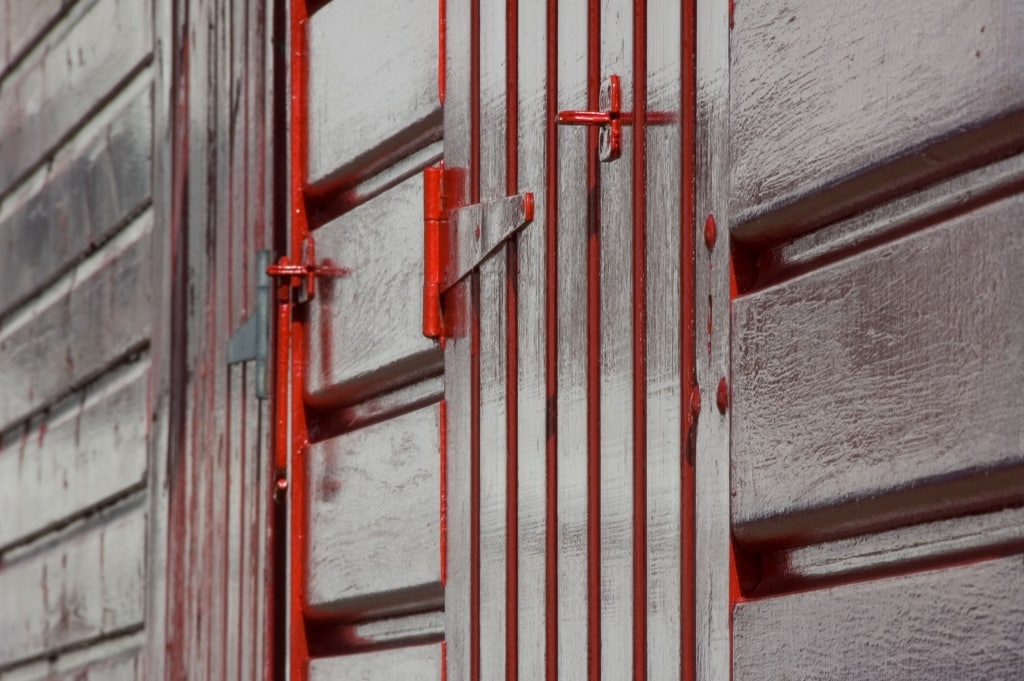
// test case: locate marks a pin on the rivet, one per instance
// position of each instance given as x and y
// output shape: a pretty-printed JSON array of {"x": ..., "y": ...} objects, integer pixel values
[
  {"x": 710, "y": 232},
  {"x": 722, "y": 397},
  {"x": 694, "y": 402}
]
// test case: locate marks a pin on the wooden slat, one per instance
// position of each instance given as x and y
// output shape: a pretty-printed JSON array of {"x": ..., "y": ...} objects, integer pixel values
[
  {"x": 420, "y": 663},
  {"x": 88, "y": 320},
  {"x": 884, "y": 389},
  {"x": 833, "y": 110},
  {"x": 115, "y": 659},
  {"x": 963, "y": 623},
  {"x": 91, "y": 190},
  {"x": 21, "y": 24},
  {"x": 62, "y": 81},
  {"x": 89, "y": 450},
  {"x": 74, "y": 590},
  {"x": 372, "y": 85},
  {"x": 366, "y": 321},
  {"x": 374, "y": 526}
]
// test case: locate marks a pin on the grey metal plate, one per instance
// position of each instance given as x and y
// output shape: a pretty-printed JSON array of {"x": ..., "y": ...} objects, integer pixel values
[
  {"x": 832, "y": 109},
  {"x": 366, "y": 321},
  {"x": 957, "y": 624},
  {"x": 884, "y": 389},
  {"x": 374, "y": 535},
  {"x": 372, "y": 85}
]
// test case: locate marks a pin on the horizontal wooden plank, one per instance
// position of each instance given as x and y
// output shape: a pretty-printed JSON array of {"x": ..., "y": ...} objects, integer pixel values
[
  {"x": 88, "y": 320},
  {"x": 831, "y": 111},
  {"x": 20, "y": 25},
  {"x": 74, "y": 589},
  {"x": 883, "y": 390},
  {"x": 374, "y": 518},
  {"x": 361, "y": 119},
  {"x": 78, "y": 65},
  {"x": 88, "y": 193},
  {"x": 115, "y": 659},
  {"x": 419, "y": 663},
  {"x": 962, "y": 624},
  {"x": 87, "y": 451},
  {"x": 366, "y": 321}
]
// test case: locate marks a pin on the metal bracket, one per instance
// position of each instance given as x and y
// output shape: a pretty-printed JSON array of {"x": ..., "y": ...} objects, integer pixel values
[
  {"x": 609, "y": 118},
  {"x": 250, "y": 341},
  {"x": 480, "y": 229}
]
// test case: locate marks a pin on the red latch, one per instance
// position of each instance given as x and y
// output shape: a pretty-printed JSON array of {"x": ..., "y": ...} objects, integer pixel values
[
  {"x": 610, "y": 118},
  {"x": 302, "y": 276},
  {"x": 435, "y": 251}
]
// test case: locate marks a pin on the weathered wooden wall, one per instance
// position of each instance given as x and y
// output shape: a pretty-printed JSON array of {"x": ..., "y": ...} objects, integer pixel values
[{"x": 76, "y": 317}]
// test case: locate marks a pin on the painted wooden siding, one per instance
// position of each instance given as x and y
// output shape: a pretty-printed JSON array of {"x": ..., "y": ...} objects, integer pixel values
[{"x": 832, "y": 111}]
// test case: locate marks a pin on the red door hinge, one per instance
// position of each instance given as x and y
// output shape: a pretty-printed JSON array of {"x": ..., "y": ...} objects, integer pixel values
[
  {"x": 457, "y": 239},
  {"x": 435, "y": 251}
]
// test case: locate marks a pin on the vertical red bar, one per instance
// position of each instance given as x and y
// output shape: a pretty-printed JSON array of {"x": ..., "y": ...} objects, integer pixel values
[
  {"x": 298, "y": 646},
  {"x": 639, "y": 340},
  {"x": 688, "y": 377},
  {"x": 551, "y": 348},
  {"x": 593, "y": 350},
  {"x": 512, "y": 349}
]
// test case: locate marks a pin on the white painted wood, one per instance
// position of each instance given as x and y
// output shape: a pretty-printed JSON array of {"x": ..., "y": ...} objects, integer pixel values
[
  {"x": 78, "y": 64},
  {"x": 90, "y": 318},
  {"x": 963, "y": 623},
  {"x": 366, "y": 326},
  {"x": 833, "y": 109},
  {"x": 884, "y": 389},
  {"x": 21, "y": 24},
  {"x": 372, "y": 85},
  {"x": 115, "y": 659},
  {"x": 80, "y": 587},
  {"x": 374, "y": 518},
  {"x": 420, "y": 663},
  {"x": 90, "y": 449}
]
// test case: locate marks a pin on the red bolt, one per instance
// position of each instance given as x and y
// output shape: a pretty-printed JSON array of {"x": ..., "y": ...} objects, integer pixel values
[
  {"x": 722, "y": 397},
  {"x": 280, "y": 488},
  {"x": 710, "y": 232},
  {"x": 694, "y": 402}
]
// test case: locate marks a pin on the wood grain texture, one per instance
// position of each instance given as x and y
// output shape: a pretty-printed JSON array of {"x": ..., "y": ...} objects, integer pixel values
[
  {"x": 78, "y": 65},
  {"x": 115, "y": 659},
  {"x": 374, "y": 525},
  {"x": 884, "y": 389},
  {"x": 20, "y": 25},
  {"x": 89, "y": 191},
  {"x": 88, "y": 450},
  {"x": 90, "y": 319},
  {"x": 833, "y": 110},
  {"x": 362, "y": 118},
  {"x": 964, "y": 623},
  {"x": 419, "y": 663},
  {"x": 74, "y": 590},
  {"x": 366, "y": 332}
]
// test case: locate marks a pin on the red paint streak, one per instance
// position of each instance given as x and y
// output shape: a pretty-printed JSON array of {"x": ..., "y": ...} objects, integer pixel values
[
  {"x": 593, "y": 350},
  {"x": 443, "y": 427},
  {"x": 441, "y": 47},
  {"x": 474, "y": 284},
  {"x": 551, "y": 350},
  {"x": 444, "y": 660},
  {"x": 640, "y": 343},
  {"x": 732, "y": 13},
  {"x": 722, "y": 395},
  {"x": 512, "y": 348},
  {"x": 710, "y": 232},
  {"x": 42, "y": 429}
]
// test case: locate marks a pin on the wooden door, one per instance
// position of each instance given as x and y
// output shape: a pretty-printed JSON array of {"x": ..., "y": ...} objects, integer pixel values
[{"x": 568, "y": 355}]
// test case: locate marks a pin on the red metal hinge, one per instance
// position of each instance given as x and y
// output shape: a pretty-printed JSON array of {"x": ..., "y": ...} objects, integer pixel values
[{"x": 435, "y": 251}]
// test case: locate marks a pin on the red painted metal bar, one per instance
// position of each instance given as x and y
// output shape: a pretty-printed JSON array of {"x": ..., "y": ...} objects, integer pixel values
[
  {"x": 639, "y": 343},
  {"x": 593, "y": 351},
  {"x": 687, "y": 329},
  {"x": 551, "y": 348},
  {"x": 512, "y": 348}
]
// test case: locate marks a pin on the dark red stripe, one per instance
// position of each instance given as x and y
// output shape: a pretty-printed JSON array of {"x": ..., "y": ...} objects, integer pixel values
[
  {"x": 551, "y": 347},
  {"x": 593, "y": 351},
  {"x": 688, "y": 379},
  {"x": 639, "y": 341},
  {"x": 512, "y": 350}
]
